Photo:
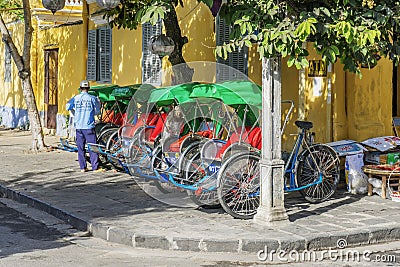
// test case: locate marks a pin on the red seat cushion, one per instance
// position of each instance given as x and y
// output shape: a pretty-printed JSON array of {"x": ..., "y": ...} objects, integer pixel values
[
  {"x": 159, "y": 126},
  {"x": 253, "y": 138},
  {"x": 151, "y": 119},
  {"x": 175, "y": 146}
]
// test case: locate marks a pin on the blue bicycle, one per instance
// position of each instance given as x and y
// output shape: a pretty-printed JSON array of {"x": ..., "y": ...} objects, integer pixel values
[{"x": 311, "y": 169}]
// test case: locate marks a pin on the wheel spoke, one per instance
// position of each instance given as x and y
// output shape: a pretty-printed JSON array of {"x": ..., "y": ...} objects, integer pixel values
[
  {"x": 318, "y": 160},
  {"x": 240, "y": 180}
]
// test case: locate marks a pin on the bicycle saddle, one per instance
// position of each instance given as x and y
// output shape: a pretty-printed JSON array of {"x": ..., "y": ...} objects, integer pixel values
[{"x": 307, "y": 125}]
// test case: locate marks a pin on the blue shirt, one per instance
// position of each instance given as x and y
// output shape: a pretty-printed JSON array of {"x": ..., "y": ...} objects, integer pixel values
[{"x": 86, "y": 107}]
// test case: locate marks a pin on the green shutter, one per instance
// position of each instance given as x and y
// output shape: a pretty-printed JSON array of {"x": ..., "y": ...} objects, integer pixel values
[
  {"x": 227, "y": 69},
  {"x": 91, "y": 73},
  {"x": 151, "y": 63},
  {"x": 105, "y": 55}
]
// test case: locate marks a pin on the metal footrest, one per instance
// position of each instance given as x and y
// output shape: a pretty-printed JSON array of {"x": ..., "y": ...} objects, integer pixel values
[
  {"x": 100, "y": 149},
  {"x": 65, "y": 145}
]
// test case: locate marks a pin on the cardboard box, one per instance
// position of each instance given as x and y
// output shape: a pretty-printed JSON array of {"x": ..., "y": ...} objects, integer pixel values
[{"x": 376, "y": 157}]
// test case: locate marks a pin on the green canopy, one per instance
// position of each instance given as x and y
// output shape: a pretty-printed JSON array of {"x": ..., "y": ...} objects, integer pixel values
[
  {"x": 104, "y": 92},
  {"x": 241, "y": 94},
  {"x": 125, "y": 92},
  {"x": 143, "y": 92},
  {"x": 168, "y": 95},
  {"x": 232, "y": 93}
]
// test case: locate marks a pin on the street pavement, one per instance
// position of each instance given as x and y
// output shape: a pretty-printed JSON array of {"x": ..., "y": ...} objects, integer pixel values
[
  {"x": 113, "y": 206},
  {"x": 30, "y": 237}
]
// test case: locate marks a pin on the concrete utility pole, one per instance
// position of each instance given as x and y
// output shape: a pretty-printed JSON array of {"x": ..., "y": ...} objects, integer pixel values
[{"x": 271, "y": 207}]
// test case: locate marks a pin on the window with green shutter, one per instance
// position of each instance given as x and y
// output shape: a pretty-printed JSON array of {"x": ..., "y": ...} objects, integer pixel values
[
  {"x": 151, "y": 63},
  {"x": 99, "y": 55},
  {"x": 227, "y": 69},
  {"x": 92, "y": 56}
]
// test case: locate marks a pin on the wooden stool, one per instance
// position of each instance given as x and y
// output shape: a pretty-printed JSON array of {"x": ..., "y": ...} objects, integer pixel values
[{"x": 371, "y": 170}]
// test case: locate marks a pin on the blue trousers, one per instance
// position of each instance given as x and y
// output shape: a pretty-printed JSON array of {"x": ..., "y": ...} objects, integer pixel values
[{"x": 84, "y": 136}]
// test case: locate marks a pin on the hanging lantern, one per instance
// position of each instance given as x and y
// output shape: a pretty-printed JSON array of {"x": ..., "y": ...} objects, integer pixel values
[
  {"x": 108, "y": 4},
  {"x": 53, "y": 5},
  {"x": 161, "y": 45}
]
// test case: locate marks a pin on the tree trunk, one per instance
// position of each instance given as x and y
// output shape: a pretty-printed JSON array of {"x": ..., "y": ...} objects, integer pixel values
[
  {"x": 33, "y": 115},
  {"x": 182, "y": 72},
  {"x": 24, "y": 72}
]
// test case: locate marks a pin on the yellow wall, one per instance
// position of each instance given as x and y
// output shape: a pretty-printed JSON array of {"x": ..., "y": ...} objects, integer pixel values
[
  {"x": 11, "y": 92},
  {"x": 369, "y": 102},
  {"x": 339, "y": 114},
  {"x": 71, "y": 58},
  {"x": 359, "y": 108},
  {"x": 317, "y": 104},
  {"x": 126, "y": 56},
  {"x": 398, "y": 91},
  {"x": 197, "y": 24},
  {"x": 290, "y": 91}
]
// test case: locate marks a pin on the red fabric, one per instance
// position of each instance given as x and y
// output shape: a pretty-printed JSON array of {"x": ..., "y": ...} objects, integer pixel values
[
  {"x": 175, "y": 146},
  {"x": 253, "y": 138},
  {"x": 206, "y": 134},
  {"x": 127, "y": 130},
  {"x": 159, "y": 126},
  {"x": 109, "y": 116},
  {"x": 152, "y": 118}
]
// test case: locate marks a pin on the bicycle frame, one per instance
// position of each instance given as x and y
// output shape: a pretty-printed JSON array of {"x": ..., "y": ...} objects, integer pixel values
[{"x": 292, "y": 163}]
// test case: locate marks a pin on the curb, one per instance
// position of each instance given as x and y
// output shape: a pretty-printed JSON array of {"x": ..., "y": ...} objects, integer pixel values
[
  {"x": 72, "y": 220},
  {"x": 138, "y": 240}
]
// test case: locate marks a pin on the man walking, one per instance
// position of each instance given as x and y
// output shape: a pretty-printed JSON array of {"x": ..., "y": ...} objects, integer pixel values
[{"x": 85, "y": 107}]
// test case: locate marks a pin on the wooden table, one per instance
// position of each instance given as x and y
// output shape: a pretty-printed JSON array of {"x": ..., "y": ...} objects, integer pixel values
[{"x": 384, "y": 174}]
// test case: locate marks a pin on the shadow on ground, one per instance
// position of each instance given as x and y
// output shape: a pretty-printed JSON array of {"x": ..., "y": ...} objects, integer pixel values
[{"x": 20, "y": 233}]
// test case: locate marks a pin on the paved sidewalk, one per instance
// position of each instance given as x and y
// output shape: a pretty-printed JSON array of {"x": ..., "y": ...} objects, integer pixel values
[{"x": 113, "y": 206}]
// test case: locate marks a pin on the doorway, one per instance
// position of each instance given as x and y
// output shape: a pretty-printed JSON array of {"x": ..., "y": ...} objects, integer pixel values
[{"x": 51, "y": 88}]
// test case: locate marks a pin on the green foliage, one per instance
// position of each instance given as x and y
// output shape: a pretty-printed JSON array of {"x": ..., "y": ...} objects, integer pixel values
[
  {"x": 11, "y": 4},
  {"x": 131, "y": 13},
  {"x": 355, "y": 31}
]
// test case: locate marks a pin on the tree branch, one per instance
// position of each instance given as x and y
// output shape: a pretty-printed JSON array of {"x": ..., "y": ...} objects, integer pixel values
[{"x": 19, "y": 62}]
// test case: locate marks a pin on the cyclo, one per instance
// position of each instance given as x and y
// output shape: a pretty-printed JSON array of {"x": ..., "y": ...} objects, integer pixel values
[
  {"x": 144, "y": 149},
  {"x": 188, "y": 127},
  {"x": 113, "y": 101},
  {"x": 115, "y": 113},
  {"x": 312, "y": 169},
  {"x": 238, "y": 120}
]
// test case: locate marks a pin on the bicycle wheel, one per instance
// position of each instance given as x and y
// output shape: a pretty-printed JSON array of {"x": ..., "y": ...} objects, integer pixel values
[
  {"x": 114, "y": 145},
  {"x": 313, "y": 162},
  {"x": 239, "y": 185},
  {"x": 114, "y": 142},
  {"x": 195, "y": 173},
  {"x": 138, "y": 152},
  {"x": 102, "y": 139}
]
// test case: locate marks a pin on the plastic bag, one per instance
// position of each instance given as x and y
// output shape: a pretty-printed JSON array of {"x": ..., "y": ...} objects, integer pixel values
[
  {"x": 354, "y": 174},
  {"x": 358, "y": 182},
  {"x": 376, "y": 183}
]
